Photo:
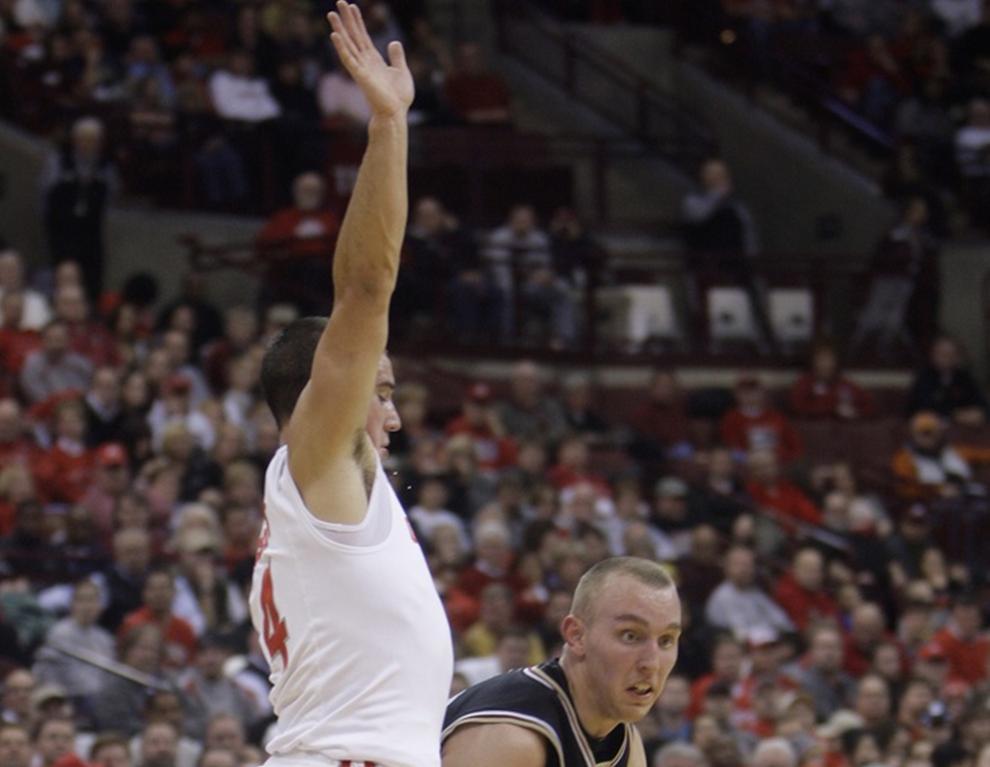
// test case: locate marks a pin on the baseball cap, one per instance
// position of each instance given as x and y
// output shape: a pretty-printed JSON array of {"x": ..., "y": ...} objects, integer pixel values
[
  {"x": 48, "y": 693},
  {"x": 933, "y": 651},
  {"x": 196, "y": 539},
  {"x": 479, "y": 392},
  {"x": 671, "y": 487},
  {"x": 177, "y": 384},
  {"x": 110, "y": 455},
  {"x": 762, "y": 636}
]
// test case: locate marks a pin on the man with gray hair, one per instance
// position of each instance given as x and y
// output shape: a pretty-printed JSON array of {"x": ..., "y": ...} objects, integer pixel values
[
  {"x": 679, "y": 755},
  {"x": 774, "y": 752},
  {"x": 78, "y": 183}
]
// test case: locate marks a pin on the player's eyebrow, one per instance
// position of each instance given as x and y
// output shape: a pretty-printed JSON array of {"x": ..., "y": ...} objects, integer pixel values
[{"x": 633, "y": 618}]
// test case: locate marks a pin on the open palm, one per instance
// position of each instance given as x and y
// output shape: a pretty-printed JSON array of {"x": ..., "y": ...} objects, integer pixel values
[{"x": 387, "y": 86}]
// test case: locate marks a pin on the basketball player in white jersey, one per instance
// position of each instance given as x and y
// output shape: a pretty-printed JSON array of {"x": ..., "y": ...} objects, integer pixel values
[{"x": 342, "y": 599}]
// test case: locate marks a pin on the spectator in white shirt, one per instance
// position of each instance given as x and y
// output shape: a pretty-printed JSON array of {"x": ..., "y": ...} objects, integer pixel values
[
  {"x": 738, "y": 604},
  {"x": 37, "y": 311},
  {"x": 342, "y": 103},
  {"x": 238, "y": 95}
]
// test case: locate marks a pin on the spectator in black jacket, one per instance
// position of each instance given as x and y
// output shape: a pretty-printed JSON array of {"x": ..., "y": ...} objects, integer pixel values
[{"x": 947, "y": 386}]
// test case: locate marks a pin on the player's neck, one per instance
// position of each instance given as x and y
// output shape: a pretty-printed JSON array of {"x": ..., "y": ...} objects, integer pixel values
[{"x": 592, "y": 720}]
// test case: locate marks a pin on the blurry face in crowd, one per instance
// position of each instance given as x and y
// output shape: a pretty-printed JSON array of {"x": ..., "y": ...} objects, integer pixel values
[
  {"x": 159, "y": 745},
  {"x": 740, "y": 567},
  {"x": 55, "y": 740},
  {"x": 967, "y": 619},
  {"x": 727, "y": 661},
  {"x": 12, "y": 310},
  {"x": 146, "y": 651},
  {"x": 873, "y": 699},
  {"x": 11, "y": 271},
  {"x": 132, "y": 551},
  {"x": 513, "y": 652},
  {"x": 308, "y": 192},
  {"x": 676, "y": 696},
  {"x": 826, "y": 650},
  {"x": 429, "y": 216},
  {"x": 217, "y": 757},
  {"x": 17, "y": 689},
  {"x": 112, "y": 755},
  {"x": 55, "y": 340},
  {"x": 225, "y": 732},
  {"x": 809, "y": 569},
  {"x": 824, "y": 363},
  {"x": 70, "y": 304},
  {"x": 10, "y": 420},
  {"x": 15, "y": 747},
  {"x": 629, "y": 642},
  {"x": 159, "y": 593},
  {"x": 526, "y": 384},
  {"x": 867, "y": 624},
  {"x": 945, "y": 355},
  {"x": 86, "y": 604}
]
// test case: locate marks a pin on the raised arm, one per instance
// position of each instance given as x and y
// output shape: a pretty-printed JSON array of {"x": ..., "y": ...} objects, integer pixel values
[{"x": 330, "y": 415}]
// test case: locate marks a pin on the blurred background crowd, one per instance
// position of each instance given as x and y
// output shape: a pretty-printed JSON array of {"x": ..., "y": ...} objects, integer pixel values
[{"x": 828, "y": 530}]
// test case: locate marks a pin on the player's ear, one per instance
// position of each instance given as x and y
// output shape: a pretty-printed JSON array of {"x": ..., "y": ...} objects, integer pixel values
[{"x": 572, "y": 629}]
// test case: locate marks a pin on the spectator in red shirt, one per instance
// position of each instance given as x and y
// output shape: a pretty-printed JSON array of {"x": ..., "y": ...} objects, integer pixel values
[
  {"x": 661, "y": 423},
  {"x": 90, "y": 339},
  {"x": 158, "y": 593},
  {"x": 295, "y": 243},
  {"x": 15, "y": 446},
  {"x": 824, "y": 392},
  {"x": 16, "y": 341},
  {"x": 867, "y": 630},
  {"x": 785, "y": 500},
  {"x": 754, "y": 424},
  {"x": 493, "y": 561},
  {"x": 476, "y": 94},
  {"x": 964, "y": 641},
  {"x": 111, "y": 481},
  {"x": 801, "y": 590},
  {"x": 727, "y": 669},
  {"x": 573, "y": 466},
  {"x": 479, "y": 420},
  {"x": 64, "y": 472},
  {"x": 240, "y": 332}
]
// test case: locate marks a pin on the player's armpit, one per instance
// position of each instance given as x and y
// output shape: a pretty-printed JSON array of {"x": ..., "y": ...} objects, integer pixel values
[
  {"x": 494, "y": 745},
  {"x": 637, "y": 753}
]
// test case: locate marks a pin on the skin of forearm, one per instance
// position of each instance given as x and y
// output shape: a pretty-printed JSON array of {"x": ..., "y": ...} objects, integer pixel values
[{"x": 370, "y": 240}]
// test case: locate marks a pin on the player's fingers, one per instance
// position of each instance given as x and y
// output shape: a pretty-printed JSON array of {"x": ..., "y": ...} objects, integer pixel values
[
  {"x": 348, "y": 56},
  {"x": 352, "y": 23},
  {"x": 396, "y": 55},
  {"x": 364, "y": 40}
]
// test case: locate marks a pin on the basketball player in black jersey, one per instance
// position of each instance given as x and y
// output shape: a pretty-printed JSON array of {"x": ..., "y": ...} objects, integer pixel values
[{"x": 620, "y": 645}]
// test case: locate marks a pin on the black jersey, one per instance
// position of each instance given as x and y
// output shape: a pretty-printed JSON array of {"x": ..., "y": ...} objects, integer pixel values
[{"x": 538, "y": 698}]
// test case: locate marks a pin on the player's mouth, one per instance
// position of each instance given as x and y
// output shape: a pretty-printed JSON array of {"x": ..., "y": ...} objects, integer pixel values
[{"x": 641, "y": 692}]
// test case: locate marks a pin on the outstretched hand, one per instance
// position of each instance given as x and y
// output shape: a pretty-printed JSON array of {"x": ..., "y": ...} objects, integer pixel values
[{"x": 387, "y": 86}]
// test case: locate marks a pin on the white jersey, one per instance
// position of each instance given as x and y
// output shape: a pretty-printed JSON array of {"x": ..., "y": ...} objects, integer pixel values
[{"x": 358, "y": 641}]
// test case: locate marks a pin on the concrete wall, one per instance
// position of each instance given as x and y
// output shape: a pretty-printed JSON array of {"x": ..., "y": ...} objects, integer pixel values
[
  {"x": 22, "y": 158},
  {"x": 963, "y": 311}
]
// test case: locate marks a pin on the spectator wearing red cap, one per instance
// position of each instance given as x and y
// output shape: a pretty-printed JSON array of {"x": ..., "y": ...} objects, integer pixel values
[
  {"x": 932, "y": 664},
  {"x": 770, "y": 491},
  {"x": 111, "y": 481},
  {"x": 765, "y": 656},
  {"x": 801, "y": 590},
  {"x": 175, "y": 405},
  {"x": 64, "y": 472},
  {"x": 823, "y": 392},
  {"x": 573, "y": 467},
  {"x": 964, "y": 641},
  {"x": 479, "y": 420},
  {"x": 753, "y": 424}
]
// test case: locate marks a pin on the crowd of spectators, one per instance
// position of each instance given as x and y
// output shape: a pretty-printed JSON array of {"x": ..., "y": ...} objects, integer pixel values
[
  {"x": 834, "y": 600},
  {"x": 216, "y": 104}
]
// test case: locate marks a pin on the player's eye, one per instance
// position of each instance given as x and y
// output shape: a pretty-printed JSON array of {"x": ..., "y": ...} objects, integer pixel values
[
  {"x": 667, "y": 642},
  {"x": 629, "y": 636}
]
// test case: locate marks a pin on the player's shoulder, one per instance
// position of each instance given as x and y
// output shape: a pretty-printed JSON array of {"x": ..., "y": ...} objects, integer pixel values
[
  {"x": 496, "y": 744},
  {"x": 515, "y": 690}
]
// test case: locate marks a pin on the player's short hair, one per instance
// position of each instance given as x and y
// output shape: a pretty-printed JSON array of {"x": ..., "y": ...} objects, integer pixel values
[
  {"x": 287, "y": 364},
  {"x": 592, "y": 582}
]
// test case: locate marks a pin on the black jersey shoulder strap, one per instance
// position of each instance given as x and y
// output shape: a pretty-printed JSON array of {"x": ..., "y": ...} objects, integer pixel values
[{"x": 537, "y": 673}]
